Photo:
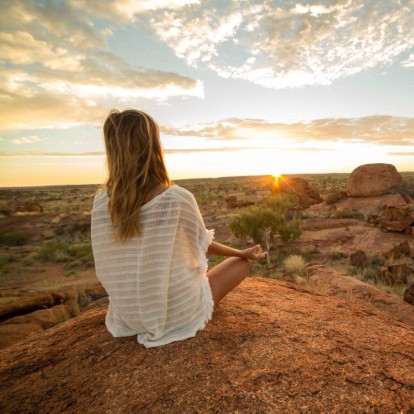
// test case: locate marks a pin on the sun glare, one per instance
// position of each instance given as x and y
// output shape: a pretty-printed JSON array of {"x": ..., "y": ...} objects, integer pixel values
[{"x": 276, "y": 179}]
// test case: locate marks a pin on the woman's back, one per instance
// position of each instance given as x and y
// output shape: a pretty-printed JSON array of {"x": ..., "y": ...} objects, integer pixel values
[{"x": 156, "y": 281}]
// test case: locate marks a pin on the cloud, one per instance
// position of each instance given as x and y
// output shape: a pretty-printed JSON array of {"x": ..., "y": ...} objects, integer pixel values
[
  {"x": 42, "y": 110},
  {"x": 402, "y": 154},
  {"x": 381, "y": 130},
  {"x": 167, "y": 151},
  {"x": 56, "y": 55},
  {"x": 409, "y": 62},
  {"x": 126, "y": 10},
  {"x": 26, "y": 140},
  {"x": 277, "y": 45},
  {"x": 28, "y": 154}
]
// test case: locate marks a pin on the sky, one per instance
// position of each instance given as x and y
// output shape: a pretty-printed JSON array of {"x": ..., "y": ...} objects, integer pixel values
[{"x": 237, "y": 87}]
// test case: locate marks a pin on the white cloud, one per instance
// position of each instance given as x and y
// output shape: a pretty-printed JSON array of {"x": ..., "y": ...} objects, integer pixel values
[
  {"x": 409, "y": 62},
  {"x": 196, "y": 39},
  {"x": 379, "y": 130},
  {"x": 56, "y": 68},
  {"x": 21, "y": 48},
  {"x": 292, "y": 46},
  {"x": 26, "y": 140},
  {"x": 126, "y": 10}
]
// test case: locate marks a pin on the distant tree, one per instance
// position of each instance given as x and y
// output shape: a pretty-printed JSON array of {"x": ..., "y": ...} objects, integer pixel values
[
  {"x": 262, "y": 223},
  {"x": 254, "y": 221}
]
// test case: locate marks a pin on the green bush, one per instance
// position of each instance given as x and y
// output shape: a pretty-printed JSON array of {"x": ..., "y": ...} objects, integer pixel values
[
  {"x": 274, "y": 216},
  {"x": 253, "y": 222},
  {"x": 14, "y": 238},
  {"x": 53, "y": 251},
  {"x": 289, "y": 230},
  {"x": 281, "y": 202},
  {"x": 335, "y": 255},
  {"x": 349, "y": 214},
  {"x": 82, "y": 253}
]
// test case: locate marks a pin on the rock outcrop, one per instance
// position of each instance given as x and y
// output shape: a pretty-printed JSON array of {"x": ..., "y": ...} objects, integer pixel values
[
  {"x": 26, "y": 313},
  {"x": 330, "y": 281},
  {"x": 271, "y": 347},
  {"x": 397, "y": 215},
  {"x": 301, "y": 188},
  {"x": 333, "y": 198},
  {"x": 373, "y": 180}
]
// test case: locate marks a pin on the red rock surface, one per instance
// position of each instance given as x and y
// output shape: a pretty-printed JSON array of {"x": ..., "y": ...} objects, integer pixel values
[
  {"x": 271, "y": 348},
  {"x": 332, "y": 282}
]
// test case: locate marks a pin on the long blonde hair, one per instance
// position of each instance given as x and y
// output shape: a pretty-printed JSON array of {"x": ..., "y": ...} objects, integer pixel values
[{"x": 135, "y": 165}]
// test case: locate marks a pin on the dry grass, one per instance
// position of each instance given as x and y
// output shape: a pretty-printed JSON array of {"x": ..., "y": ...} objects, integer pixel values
[{"x": 295, "y": 265}]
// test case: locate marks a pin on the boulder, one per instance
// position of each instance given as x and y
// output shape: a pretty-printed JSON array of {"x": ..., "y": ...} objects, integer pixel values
[
  {"x": 288, "y": 350},
  {"x": 46, "y": 318},
  {"x": 23, "y": 305},
  {"x": 396, "y": 215},
  {"x": 333, "y": 198},
  {"x": 358, "y": 259},
  {"x": 409, "y": 294},
  {"x": 301, "y": 188},
  {"x": 373, "y": 180}
]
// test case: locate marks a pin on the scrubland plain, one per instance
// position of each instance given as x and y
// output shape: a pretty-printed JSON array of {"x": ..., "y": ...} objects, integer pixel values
[{"x": 45, "y": 247}]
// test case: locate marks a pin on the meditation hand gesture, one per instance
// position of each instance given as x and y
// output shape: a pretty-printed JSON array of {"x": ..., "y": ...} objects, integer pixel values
[{"x": 254, "y": 253}]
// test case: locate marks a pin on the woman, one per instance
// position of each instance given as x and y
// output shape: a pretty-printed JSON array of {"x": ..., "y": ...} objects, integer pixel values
[{"x": 150, "y": 243}]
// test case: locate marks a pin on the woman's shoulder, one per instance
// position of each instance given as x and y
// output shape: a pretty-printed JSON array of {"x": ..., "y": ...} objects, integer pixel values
[
  {"x": 182, "y": 194},
  {"x": 100, "y": 199}
]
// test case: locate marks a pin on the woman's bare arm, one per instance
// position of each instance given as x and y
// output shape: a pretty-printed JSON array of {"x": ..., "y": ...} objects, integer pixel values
[{"x": 252, "y": 253}]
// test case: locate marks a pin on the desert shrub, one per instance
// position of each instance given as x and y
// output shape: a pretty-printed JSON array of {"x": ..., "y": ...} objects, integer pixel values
[
  {"x": 282, "y": 203},
  {"x": 349, "y": 214},
  {"x": 308, "y": 255},
  {"x": 370, "y": 274},
  {"x": 335, "y": 255},
  {"x": 56, "y": 251},
  {"x": 376, "y": 259},
  {"x": 255, "y": 220},
  {"x": 53, "y": 251},
  {"x": 14, "y": 238},
  {"x": 81, "y": 252},
  {"x": 296, "y": 265},
  {"x": 289, "y": 230}
]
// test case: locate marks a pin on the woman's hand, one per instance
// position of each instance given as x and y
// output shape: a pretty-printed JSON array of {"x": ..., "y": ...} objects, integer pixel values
[{"x": 254, "y": 253}]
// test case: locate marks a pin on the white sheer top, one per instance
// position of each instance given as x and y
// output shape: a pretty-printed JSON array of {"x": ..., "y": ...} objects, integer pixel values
[{"x": 156, "y": 282}]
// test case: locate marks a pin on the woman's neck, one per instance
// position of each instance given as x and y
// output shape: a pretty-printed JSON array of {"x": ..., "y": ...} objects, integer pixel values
[{"x": 157, "y": 190}]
